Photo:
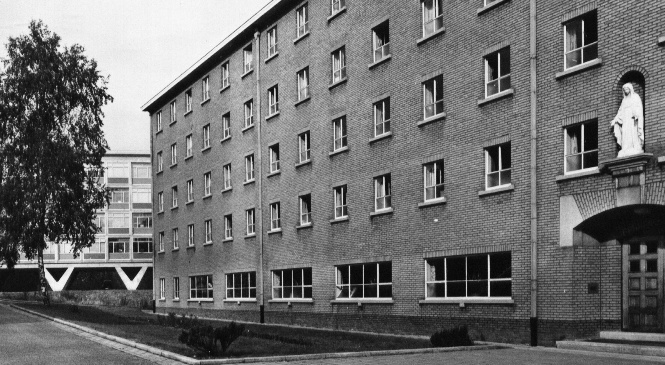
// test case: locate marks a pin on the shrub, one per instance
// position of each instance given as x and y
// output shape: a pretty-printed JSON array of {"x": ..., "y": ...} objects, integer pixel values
[
  {"x": 74, "y": 308},
  {"x": 205, "y": 338},
  {"x": 452, "y": 337},
  {"x": 171, "y": 320}
]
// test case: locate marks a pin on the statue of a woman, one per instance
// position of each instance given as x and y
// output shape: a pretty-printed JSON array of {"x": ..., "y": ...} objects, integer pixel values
[{"x": 629, "y": 123}]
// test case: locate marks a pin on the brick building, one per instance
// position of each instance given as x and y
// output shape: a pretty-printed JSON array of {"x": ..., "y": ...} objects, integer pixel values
[{"x": 416, "y": 164}]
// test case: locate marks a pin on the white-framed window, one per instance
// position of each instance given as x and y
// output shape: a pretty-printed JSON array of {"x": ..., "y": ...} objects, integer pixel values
[
  {"x": 228, "y": 227},
  {"x": 176, "y": 288},
  {"x": 173, "y": 112},
  {"x": 141, "y": 171},
  {"x": 141, "y": 220},
  {"x": 119, "y": 195},
  {"x": 207, "y": 180},
  {"x": 474, "y": 276},
  {"x": 158, "y": 119},
  {"x": 226, "y": 125},
  {"x": 498, "y": 163},
  {"x": 433, "y": 180},
  {"x": 227, "y": 176},
  {"x": 382, "y": 117},
  {"x": 206, "y": 136},
  {"x": 241, "y": 285},
  {"x": 273, "y": 100},
  {"x": 339, "y": 133},
  {"x": 580, "y": 40},
  {"x": 119, "y": 220},
  {"x": 190, "y": 190},
  {"x": 190, "y": 235},
  {"x": 160, "y": 201},
  {"x": 249, "y": 113},
  {"x": 160, "y": 162},
  {"x": 225, "y": 75},
  {"x": 272, "y": 41},
  {"x": 381, "y": 41},
  {"x": 208, "y": 230},
  {"x": 304, "y": 147},
  {"x": 382, "y": 193},
  {"x": 250, "y": 222},
  {"x": 200, "y": 287},
  {"x": 339, "y": 196},
  {"x": 174, "y": 154},
  {"x": 292, "y": 283},
  {"x": 247, "y": 58},
  {"x": 174, "y": 238},
  {"x": 581, "y": 146},
  {"x": 274, "y": 157},
  {"x": 100, "y": 222},
  {"x": 302, "y": 21},
  {"x": 303, "y": 84},
  {"x": 336, "y": 6},
  {"x": 364, "y": 281},
  {"x": 275, "y": 222},
  {"x": 305, "y": 209},
  {"x": 249, "y": 168},
  {"x": 188, "y": 101},
  {"x": 162, "y": 289},
  {"x": 433, "y": 97},
  {"x": 205, "y": 88},
  {"x": 174, "y": 197},
  {"x": 497, "y": 72},
  {"x": 142, "y": 244},
  {"x": 160, "y": 241},
  {"x": 118, "y": 171},
  {"x": 432, "y": 16},
  {"x": 338, "y": 65}
]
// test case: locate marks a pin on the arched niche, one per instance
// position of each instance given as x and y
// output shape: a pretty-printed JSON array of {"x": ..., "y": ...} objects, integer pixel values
[{"x": 636, "y": 76}]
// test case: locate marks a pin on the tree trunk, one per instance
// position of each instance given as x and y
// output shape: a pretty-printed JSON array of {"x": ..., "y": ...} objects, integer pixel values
[{"x": 42, "y": 277}]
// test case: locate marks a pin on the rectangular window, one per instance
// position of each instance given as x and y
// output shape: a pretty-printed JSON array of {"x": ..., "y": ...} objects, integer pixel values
[
  {"x": 176, "y": 288},
  {"x": 581, "y": 40},
  {"x": 336, "y": 6},
  {"x": 302, "y": 21},
  {"x": 142, "y": 244},
  {"x": 173, "y": 112},
  {"x": 303, "y": 84},
  {"x": 141, "y": 196},
  {"x": 162, "y": 289},
  {"x": 274, "y": 158},
  {"x": 338, "y": 65},
  {"x": 200, "y": 287},
  {"x": 249, "y": 219},
  {"x": 381, "y": 41},
  {"x": 188, "y": 146},
  {"x": 228, "y": 227},
  {"x": 100, "y": 222},
  {"x": 432, "y": 16},
  {"x": 340, "y": 202},
  {"x": 206, "y": 136},
  {"x": 273, "y": 100},
  {"x": 581, "y": 146},
  {"x": 205, "y": 88},
  {"x": 174, "y": 238},
  {"x": 118, "y": 245},
  {"x": 247, "y": 58},
  {"x": 305, "y": 210},
  {"x": 433, "y": 180},
  {"x": 226, "y": 125},
  {"x": 249, "y": 168},
  {"x": 249, "y": 113},
  {"x": 208, "y": 231},
  {"x": 119, "y": 220},
  {"x": 487, "y": 275},
  {"x": 158, "y": 119},
  {"x": 190, "y": 190},
  {"x": 364, "y": 281},
  {"x": 292, "y": 283},
  {"x": 207, "y": 177},
  {"x": 497, "y": 72},
  {"x": 497, "y": 160},
  {"x": 160, "y": 240},
  {"x": 174, "y": 154},
  {"x": 118, "y": 171},
  {"x": 303, "y": 147},
  {"x": 433, "y": 97},
  {"x": 119, "y": 195},
  {"x": 188, "y": 101},
  {"x": 382, "y": 117},
  {"x": 241, "y": 285},
  {"x": 141, "y": 171},
  {"x": 160, "y": 202},
  {"x": 382, "y": 193},
  {"x": 190, "y": 235},
  {"x": 339, "y": 133},
  {"x": 160, "y": 162},
  {"x": 275, "y": 223},
  {"x": 142, "y": 220},
  {"x": 174, "y": 197},
  {"x": 227, "y": 176},
  {"x": 272, "y": 42},
  {"x": 225, "y": 75}
]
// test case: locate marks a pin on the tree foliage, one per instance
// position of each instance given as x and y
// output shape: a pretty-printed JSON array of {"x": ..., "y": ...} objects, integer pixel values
[{"x": 51, "y": 144}]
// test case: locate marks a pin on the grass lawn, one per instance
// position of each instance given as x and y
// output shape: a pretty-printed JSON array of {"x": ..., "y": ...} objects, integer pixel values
[{"x": 258, "y": 340}]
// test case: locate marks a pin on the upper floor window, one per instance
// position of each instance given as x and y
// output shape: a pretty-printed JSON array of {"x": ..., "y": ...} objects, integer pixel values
[
  {"x": 292, "y": 283},
  {"x": 174, "y": 154},
  {"x": 174, "y": 237},
  {"x": 160, "y": 202},
  {"x": 382, "y": 193},
  {"x": 142, "y": 244},
  {"x": 340, "y": 202},
  {"x": 141, "y": 196},
  {"x": 140, "y": 171},
  {"x": 497, "y": 160},
  {"x": 273, "y": 100},
  {"x": 365, "y": 281},
  {"x": 119, "y": 220},
  {"x": 206, "y": 136},
  {"x": 274, "y": 158},
  {"x": 581, "y": 40},
  {"x": 433, "y": 180},
  {"x": 190, "y": 235},
  {"x": 336, "y": 6},
  {"x": 160, "y": 162},
  {"x": 497, "y": 72},
  {"x": 305, "y": 209},
  {"x": 303, "y": 84},
  {"x": 432, "y": 16},
  {"x": 249, "y": 113},
  {"x": 272, "y": 42},
  {"x": 275, "y": 223},
  {"x": 160, "y": 241},
  {"x": 304, "y": 147},
  {"x": 338, "y": 65},
  {"x": 302, "y": 21},
  {"x": 205, "y": 88},
  {"x": 188, "y": 101},
  {"x": 173, "y": 111},
  {"x": 433, "y": 97},
  {"x": 250, "y": 223},
  {"x": 226, "y": 125},
  {"x": 141, "y": 220},
  {"x": 158, "y": 119},
  {"x": 382, "y": 117},
  {"x": 247, "y": 58},
  {"x": 208, "y": 231},
  {"x": 228, "y": 227},
  {"x": 188, "y": 145},
  {"x": 381, "y": 41},
  {"x": 227, "y": 176},
  {"x": 225, "y": 75},
  {"x": 249, "y": 168},
  {"x": 119, "y": 195},
  {"x": 581, "y": 146},
  {"x": 486, "y": 275},
  {"x": 339, "y": 133},
  {"x": 190, "y": 190},
  {"x": 174, "y": 197},
  {"x": 207, "y": 177}
]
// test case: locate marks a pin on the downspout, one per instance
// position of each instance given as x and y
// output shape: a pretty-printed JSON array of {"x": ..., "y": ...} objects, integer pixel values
[
  {"x": 259, "y": 163},
  {"x": 533, "y": 171}
]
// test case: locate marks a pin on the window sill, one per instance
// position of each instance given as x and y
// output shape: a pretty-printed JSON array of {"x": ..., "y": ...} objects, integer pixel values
[
  {"x": 378, "y": 138},
  {"x": 160, "y": 252},
  {"x": 292, "y": 300},
  {"x": 271, "y": 57},
  {"x": 339, "y": 220},
  {"x": 227, "y": 190},
  {"x": 247, "y": 128},
  {"x": 174, "y": 208},
  {"x": 578, "y": 174},
  {"x": 189, "y": 202},
  {"x": 300, "y": 164},
  {"x": 362, "y": 301},
  {"x": 240, "y": 300},
  {"x": 301, "y": 101},
  {"x": 337, "y": 83},
  {"x": 253, "y": 235},
  {"x": 200, "y": 300},
  {"x": 224, "y": 88},
  {"x": 579, "y": 68},
  {"x": 275, "y": 173},
  {"x": 425, "y": 39},
  {"x": 246, "y": 73},
  {"x": 304, "y": 226},
  {"x": 207, "y": 243},
  {"x": 431, "y": 203},
  {"x": 174, "y": 249},
  {"x": 461, "y": 301},
  {"x": 205, "y": 101},
  {"x": 381, "y": 212},
  {"x": 159, "y": 172},
  {"x": 338, "y": 13},
  {"x": 160, "y": 212},
  {"x": 162, "y": 299},
  {"x": 432, "y": 119},
  {"x": 491, "y": 6},
  {"x": 225, "y": 139},
  {"x": 272, "y": 116},
  {"x": 188, "y": 113},
  {"x": 207, "y": 196},
  {"x": 376, "y": 63},
  {"x": 175, "y": 300},
  {"x": 274, "y": 231},
  {"x": 497, "y": 96},
  {"x": 191, "y": 247},
  {"x": 249, "y": 182},
  {"x": 498, "y": 190},
  {"x": 172, "y": 122},
  {"x": 206, "y": 149},
  {"x": 300, "y": 38},
  {"x": 337, "y": 152},
  {"x": 230, "y": 239},
  {"x": 661, "y": 160},
  {"x": 188, "y": 157},
  {"x": 172, "y": 166},
  {"x": 159, "y": 131}
]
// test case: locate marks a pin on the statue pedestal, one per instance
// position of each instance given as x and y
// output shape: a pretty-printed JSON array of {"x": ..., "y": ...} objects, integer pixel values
[
  {"x": 629, "y": 165},
  {"x": 628, "y": 174}
]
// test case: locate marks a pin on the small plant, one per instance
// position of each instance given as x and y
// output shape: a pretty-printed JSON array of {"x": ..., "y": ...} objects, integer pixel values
[
  {"x": 74, "y": 308},
  {"x": 123, "y": 301},
  {"x": 452, "y": 337},
  {"x": 171, "y": 320},
  {"x": 205, "y": 338}
]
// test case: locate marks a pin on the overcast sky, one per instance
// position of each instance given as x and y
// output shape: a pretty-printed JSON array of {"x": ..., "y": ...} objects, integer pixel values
[{"x": 142, "y": 45}]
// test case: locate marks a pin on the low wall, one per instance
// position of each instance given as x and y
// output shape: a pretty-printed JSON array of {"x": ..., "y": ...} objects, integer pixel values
[{"x": 114, "y": 298}]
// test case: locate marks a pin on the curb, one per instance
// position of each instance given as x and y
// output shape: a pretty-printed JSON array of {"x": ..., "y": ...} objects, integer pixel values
[{"x": 189, "y": 360}]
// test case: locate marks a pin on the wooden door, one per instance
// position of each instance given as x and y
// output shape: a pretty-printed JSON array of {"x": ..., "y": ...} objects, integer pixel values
[{"x": 643, "y": 285}]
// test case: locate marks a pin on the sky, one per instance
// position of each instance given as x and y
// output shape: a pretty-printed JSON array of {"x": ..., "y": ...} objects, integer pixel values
[{"x": 141, "y": 45}]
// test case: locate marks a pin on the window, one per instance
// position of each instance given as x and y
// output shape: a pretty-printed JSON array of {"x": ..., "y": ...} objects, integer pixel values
[
  {"x": 274, "y": 158},
  {"x": 188, "y": 101},
  {"x": 173, "y": 111},
  {"x": 581, "y": 146},
  {"x": 208, "y": 231},
  {"x": 119, "y": 220},
  {"x": 339, "y": 133},
  {"x": 381, "y": 41},
  {"x": 158, "y": 119},
  {"x": 247, "y": 58},
  {"x": 432, "y": 16},
  {"x": 200, "y": 287},
  {"x": 100, "y": 222},
  {"x": 206, "y": 136},
  {"x": 433, "y": 97},
  {"x": 118, "y": 171},
  {"x": 581, "y": 40},
  {"x": 249, "y": 168},
  {"x": 292, "y": 284},
  {"x": 274, "y": 217},
  {"x": 273, "y": 100},
  {"x": 160, "y": 162},
  {"x": 205, "y": 88},
  {"x": 303, "y": 84},
  {"x": 249, "y": 218},
  {"x": 497, "y": 159},
  {"x": 433, "y": 180},
  {"x": 143, "y": 244},
  {"x": 176, "y": 288},
  {"x": 340, "y": 202},
  {"x": 206, "y": 183},
  {"x": 118, "y": 245},
  {"x": 174, "y": 197},
  {"x": 226, "y": 125},
  {"x": 272, "y": 42},
  {"x": 487, "y": 275},
  {"x": 142, "y": 220},
  {"x": 382, "y": 190},
  {"x": 160, "y": 202},
  {"x": 302, "y": 21},
  {"x": 119, "y": 195},
  {"x": 365, "y": 281},
  {"x": 160, "y": 240},
  {"x": 241, "y": 285},
  {"x": 162, "y": 289},
  {"x": 141, "y": 196},
  {"x": 228, "y": 227},
  {"x": 497, "y": 72},
  {"x": 382, "y": 117},
  {"x": 303, "y": 147},
  {"x": 227, "y": 176},
  {"x": 249, "y": 113},
  {"x": 190, "y": 235},
  {"x": 174, "y": 238},
  {"x": 174, "y": 154},
  {"x": 225, "y": 75},
  {"x": 336, "y": 6},
  {"x": 141, "y": 171},
  {"x": 338, "y": 65},
  {"x": 190, "y": 190},
  {"x": 305, "y": 210}
]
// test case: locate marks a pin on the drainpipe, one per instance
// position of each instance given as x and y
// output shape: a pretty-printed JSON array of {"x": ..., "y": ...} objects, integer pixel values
[
  {"x": 533, "y": 171},
  {"x": 259, "y": 163}
]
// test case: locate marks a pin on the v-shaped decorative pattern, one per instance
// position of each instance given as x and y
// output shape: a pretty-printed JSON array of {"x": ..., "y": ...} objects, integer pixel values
[
  {"x": 58, "y": 285},
  {"x": 131, "y": 284}
]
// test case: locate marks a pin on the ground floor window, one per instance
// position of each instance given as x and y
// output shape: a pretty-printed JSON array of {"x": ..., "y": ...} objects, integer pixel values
[
  {"x": 292, "y": 283},
  {"x": 176, "y": 288},
  {"x": 200, "y": 287},
  {"x": 162, "y": 289},
  {"x": 487, "y": 275},
  {"x": 241, "y": 285},
  {"x": 367, "y": 281}
]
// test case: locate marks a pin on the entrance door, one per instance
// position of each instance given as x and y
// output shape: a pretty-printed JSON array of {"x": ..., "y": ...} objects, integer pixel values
[{"x": 643, "y": 285}]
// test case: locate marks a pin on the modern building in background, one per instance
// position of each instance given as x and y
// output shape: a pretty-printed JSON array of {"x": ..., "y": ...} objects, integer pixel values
[
  {"x": 122, "y": 254},
  {"x": 413, "y": 165}
]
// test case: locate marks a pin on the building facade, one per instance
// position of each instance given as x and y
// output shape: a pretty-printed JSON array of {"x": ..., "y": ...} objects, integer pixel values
[{"x": 414, "y": 165}]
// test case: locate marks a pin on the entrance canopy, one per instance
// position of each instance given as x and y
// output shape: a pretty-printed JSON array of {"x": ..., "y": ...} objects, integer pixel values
[{"x": 625, "y": 222}]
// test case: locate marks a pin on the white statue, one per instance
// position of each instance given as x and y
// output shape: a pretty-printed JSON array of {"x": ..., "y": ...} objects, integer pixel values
[{"x": 629, "y": 123}]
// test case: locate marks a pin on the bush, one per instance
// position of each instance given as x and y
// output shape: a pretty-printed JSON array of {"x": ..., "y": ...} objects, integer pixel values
[
  {"x": 205, "y": 338},
  {"x": 74, "y": 308},
  {"x": 453, "y": 337}
]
